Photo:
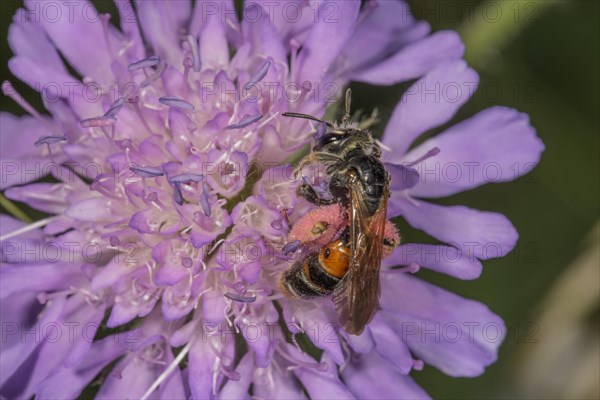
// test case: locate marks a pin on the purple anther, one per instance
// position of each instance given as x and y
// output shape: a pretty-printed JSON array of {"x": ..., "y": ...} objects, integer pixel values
[
  {"x": 177, "y": 195},
  {"x": 49, "y": 140},
  {"x": 114, "y": 241},
  {"x": 176, "y": 102},
  {"x": 187, "y": 262},
  {"x": 98, "y": 122},
  {"x": 247, "y": 120},
  {"x": 291, "y": 247},
  {"x": 162, "y": 66},
  {"x": 145, "y": 63},
  {"x": 306, "y": 86},
  {"x": 277, "y": 224},
  {"x": 187, "y": 177},
  {"x": 258, "y": 76},
  {"x": 204, "y": 199},
  {"x": 418, "y": 365},
  {"x": 115, "y": 107},
  {"x": 240, "y": 298},
  {"x": 147, "y": 172}
]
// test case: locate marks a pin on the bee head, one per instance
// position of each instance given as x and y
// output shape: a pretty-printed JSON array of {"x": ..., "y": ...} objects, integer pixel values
[{"x": 331, "y": 142}]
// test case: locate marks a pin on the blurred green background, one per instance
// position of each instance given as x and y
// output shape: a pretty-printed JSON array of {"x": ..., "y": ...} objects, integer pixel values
[{"x": 541, "y": 57}]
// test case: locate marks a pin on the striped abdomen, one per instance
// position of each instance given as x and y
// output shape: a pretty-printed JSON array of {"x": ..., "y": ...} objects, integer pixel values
[{"x": 318, "y": 273}]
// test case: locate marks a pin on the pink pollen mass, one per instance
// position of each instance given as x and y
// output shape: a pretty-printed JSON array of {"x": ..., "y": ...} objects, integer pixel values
[{"x": 319, "y": 226}]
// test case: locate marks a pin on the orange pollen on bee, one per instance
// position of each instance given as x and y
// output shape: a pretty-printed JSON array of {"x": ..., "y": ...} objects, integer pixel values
[{"x": 335, "y": 259}]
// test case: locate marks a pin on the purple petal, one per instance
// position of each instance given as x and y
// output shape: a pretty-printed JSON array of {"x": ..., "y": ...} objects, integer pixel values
[
  {"x": 390, "y": 346},
  {"x": 444, "y": 259},
  {"x": 174, "y": 306},
  {"x": 322, "y": 332},
  {"x": 371, "y": 377},
  {"x": 244, "y": 122},
  {"x": 161, "y": 23},
  {"x": 401, "y": 176},
  {"x": 38, "y": 278},
  {"x": 496, "y": 145},
  {"x": 109, "y": 275},
  {"x": 147, "y": 172},
  {"x": 414, "y": 60},
  {"x": 131, "y": 29},
  {"x": 238, "y": 390},
  {"x": 68, "y": 383},
  {"x": 263, "y": 37},
  {"x": 385, "y": 28},
  {"x": 260, "y": 339},
  {"x": 315, "y": 58},
  {"x": 173, "y": 386},
  {"x": 9, "y": 224},
  {"x": 40, "y": 77},
  {"x": 323, "y": 385},
  {"x": 363, "y": 343},
  {"x": 170, "y": 273},
  {"x": 201, "y": 360},
  {"x": 144, "y": 63},
  {"x": 481, "y": 233},
  {"x": 14, "y": 131},
  {"x": 276, "y": 384},
  {"x": 430, "y": 102},
  {"x": 82, "y": 43},
  {"x": 172, "y": 101},
  {"x": 47, "y": 197},
  {"x": 27, "y": 38},
  {"x": 93, "y": 210},
  {"x": 128, "y": 380},
  {"x": 459, "y": 336},
  {"x": 82, "y": 344},
  {"x": 214, "y": 51},
  {"x": 16, "y": 350},
  {"x": 213, "y": 307}
]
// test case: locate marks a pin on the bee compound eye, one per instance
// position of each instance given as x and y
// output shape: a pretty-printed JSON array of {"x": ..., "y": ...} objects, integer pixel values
[{"x": 327, "y": 253}]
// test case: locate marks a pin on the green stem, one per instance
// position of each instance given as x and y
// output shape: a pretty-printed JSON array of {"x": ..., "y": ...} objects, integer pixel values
[
  {"x": 13, "y": 209},
  {"x": 494, "y": 24}
]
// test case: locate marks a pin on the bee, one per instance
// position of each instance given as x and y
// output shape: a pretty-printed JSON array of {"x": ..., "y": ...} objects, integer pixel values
[
  {"x": 320, "y": 272},
  {"x": 348, "y": 267}
]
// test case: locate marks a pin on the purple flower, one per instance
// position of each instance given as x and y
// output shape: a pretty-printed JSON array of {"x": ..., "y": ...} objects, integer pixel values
[{"x": 169, "y": 202}]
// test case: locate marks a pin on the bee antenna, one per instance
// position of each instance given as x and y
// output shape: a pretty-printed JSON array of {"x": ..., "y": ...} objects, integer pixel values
[
  {"x": 306, "y": 116},
  {"x": 346, "y": 117}
]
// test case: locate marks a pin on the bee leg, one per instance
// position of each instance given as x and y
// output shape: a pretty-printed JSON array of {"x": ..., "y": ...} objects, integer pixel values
[{"x": 309, "y": 193}]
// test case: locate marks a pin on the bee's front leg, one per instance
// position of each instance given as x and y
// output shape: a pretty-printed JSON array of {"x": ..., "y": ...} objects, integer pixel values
[{"x": 310, "y": 194}]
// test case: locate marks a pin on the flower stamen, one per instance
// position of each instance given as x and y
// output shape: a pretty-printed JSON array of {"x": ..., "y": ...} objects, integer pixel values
[
  {"x": 176, "y": 102},
  {"x": 258, "y": 76},
  {"x": 144, "y": 63},
  {"x": 244, "y": 122}
]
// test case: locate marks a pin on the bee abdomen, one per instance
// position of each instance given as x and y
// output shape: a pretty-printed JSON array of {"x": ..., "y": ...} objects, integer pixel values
[{"x": 306, "y": 279}]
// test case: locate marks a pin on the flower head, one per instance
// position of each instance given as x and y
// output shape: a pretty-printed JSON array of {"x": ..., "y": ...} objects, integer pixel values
[{"x": 169, "y": 202}]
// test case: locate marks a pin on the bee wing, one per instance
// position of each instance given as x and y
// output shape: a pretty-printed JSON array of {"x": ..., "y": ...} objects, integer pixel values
[{"x": 356, "y": 298}]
